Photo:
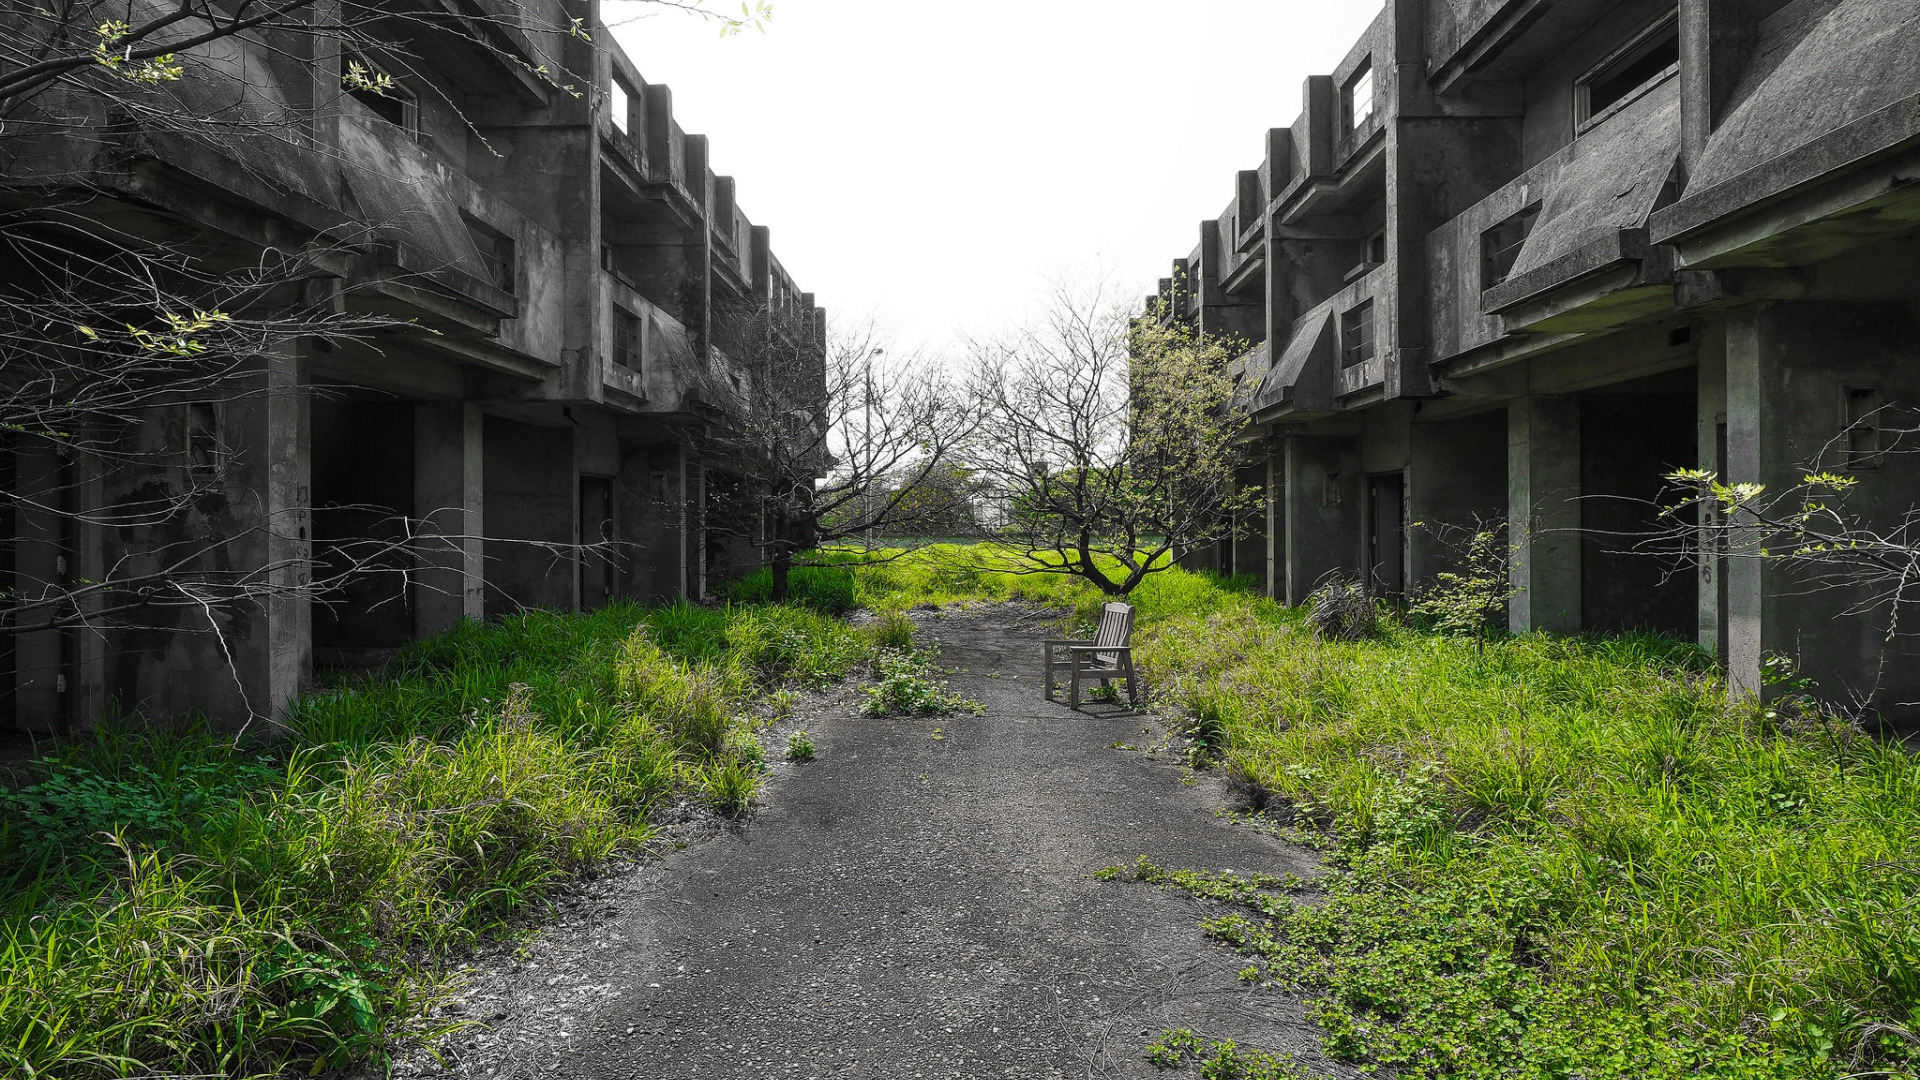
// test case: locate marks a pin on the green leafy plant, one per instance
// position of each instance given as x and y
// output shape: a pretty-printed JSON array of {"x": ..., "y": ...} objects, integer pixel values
[
  {"x": 907, "y": 684},
  {"x": 1471, "y": 599},
  {"x": 799, "y": 746}
]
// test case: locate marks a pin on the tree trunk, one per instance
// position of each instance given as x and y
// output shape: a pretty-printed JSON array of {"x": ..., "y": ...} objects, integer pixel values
[{"x": 782, "y": 570}]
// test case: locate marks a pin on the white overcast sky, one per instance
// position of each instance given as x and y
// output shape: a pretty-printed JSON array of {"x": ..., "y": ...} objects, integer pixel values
[{"x": 931, "y": 164}]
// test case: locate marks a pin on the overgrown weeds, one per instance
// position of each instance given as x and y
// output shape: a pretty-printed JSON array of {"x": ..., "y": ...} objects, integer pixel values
[
  {"x": 171, "y": 905},
  {"x": 1553, "y": 857}
]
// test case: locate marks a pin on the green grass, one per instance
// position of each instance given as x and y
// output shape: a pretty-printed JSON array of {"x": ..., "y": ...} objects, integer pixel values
[
  {"x": 1553, "y": 858},
  {"x": 171, "y": 905}
]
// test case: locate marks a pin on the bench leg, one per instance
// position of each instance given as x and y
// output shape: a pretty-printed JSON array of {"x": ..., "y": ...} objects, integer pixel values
[
  {"x": 1133, "y": 691},
  {"x": 1073, "y": 697},
  {"x": 1046, "y": 673}
]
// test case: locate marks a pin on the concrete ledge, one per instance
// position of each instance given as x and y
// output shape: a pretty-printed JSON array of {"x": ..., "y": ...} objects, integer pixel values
[
  {"x": 1606, "y": 253},
  {"x": 1879, "y": 134}
]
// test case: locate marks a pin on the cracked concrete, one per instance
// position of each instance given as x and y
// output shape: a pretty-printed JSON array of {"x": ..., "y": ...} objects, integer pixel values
[{"x": 912, "y": 906}]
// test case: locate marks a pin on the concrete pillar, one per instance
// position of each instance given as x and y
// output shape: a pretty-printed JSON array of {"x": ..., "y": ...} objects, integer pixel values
[
  {"x": 693, "y": 477},
  {"x": 88, "y": 697},
  {"x": 1711, "y": 380},
  {"x": 287, "y": 494},
  {"x": 42, "y": 564},
  {"x": 1543, "y": 508},
  {"x": 1276, "y": 508},
  {"x": 449, "y": 488},
  {"x": 1744, "y": 591}
]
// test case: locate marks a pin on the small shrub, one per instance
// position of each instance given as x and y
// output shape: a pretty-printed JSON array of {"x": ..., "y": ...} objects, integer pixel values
[
  {"x": 1341, "y": 610},
  {"x": 908, "y": 685},
  {"x": 799, "y": 747}
]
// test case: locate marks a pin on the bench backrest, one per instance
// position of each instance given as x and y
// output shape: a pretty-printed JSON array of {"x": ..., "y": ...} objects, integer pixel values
[{"x": 1116, "y": 626}]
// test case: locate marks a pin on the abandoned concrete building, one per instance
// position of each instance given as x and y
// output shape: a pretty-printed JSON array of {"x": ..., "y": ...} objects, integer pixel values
[
  {"x": 1518, "y": 259},
  {"x": 552, "y": 264}
]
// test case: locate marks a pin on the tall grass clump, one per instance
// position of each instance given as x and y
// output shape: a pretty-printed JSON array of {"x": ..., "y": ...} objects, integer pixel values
[
  {"x": 172, "y": 905},
  {"x": 823, "y": 588}
]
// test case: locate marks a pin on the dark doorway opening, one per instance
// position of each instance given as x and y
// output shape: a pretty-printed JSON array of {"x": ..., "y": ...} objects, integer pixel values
[
  {"x": 598, "y": 559},
  {"x": 1633, "y": 576},
  {"x": 1387, "y": 534},
  {"x": 362, "y": 493}
]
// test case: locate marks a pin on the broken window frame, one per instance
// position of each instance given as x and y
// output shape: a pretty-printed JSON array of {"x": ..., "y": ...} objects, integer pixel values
[
  {"x": 1352, "y": 100},
  {"x": 620, "y": 105},
  {"x": 1861, "y": 446},
  {"x": 1649, "y": 41},
  {"x": 498, "y": 253},
  {"x": 380, "y": 104},
  {"x": 626, "y": 339},
  {"x": 1356, "y": 335}
]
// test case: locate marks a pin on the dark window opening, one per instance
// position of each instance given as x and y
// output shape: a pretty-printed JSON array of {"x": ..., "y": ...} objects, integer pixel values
[
  {"x": 1638, "y": 68},
  {"x": 202, "y": 441},
  {"x": 1863, "y": 427},
  {"x": 1500, "y": 246},
  {"x": 496, "y": 253},
  {"x": 626, "y": 339},
  {"x": 1356, "y": 335},
  {"x": 376, "y": 88}
]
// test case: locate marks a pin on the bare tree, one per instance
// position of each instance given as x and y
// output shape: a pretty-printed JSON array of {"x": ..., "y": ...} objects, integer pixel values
[
  {"x": 840, "y": 437},
  {"x": 1112, "y": 444},
  {"x": 1808, "y": 528}
]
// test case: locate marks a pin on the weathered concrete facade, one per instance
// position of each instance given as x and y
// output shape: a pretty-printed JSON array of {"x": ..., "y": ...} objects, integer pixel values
[
  {"x": 552, "y": 264},
  {"x": 1518, "y": 259}
]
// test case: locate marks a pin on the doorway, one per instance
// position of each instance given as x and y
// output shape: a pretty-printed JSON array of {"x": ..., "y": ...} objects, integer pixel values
[
  {"x": 1386, "y": 534},
  {"x": 597, "y": 538}
]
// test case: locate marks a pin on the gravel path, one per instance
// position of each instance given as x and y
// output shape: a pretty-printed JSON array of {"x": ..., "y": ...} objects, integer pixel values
[{"x": 913, "y": 903}]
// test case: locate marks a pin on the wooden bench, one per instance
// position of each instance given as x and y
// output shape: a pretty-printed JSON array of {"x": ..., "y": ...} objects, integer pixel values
[{"x": 1107, "y": 657}]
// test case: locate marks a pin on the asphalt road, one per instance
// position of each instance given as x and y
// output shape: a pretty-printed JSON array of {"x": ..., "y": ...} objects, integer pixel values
[{"x": 917, "y": 906}]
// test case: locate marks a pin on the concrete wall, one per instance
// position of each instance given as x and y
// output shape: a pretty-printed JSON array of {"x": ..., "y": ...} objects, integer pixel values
[
  {"x": 1325, "y": 507},
  {"x": 1456, "y": 485},
  {"x": 530, "y": 490},
  {"x": 1788, "y": 368}
]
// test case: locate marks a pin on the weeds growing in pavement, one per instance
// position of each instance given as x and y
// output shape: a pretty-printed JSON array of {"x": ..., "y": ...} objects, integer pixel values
[
  {"x": 908, "y": 684},
  {"x": 1219, "y": 1060},
  {"x": 799, "y": 747},
  {"x": 171, "y": 905},
  {"x": 1548, "y": 857}
]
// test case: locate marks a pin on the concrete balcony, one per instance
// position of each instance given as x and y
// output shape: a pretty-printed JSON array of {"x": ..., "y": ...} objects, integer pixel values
[
  {"x": 1582, "y": 261},
  {"x": 647, "y": 361}
]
